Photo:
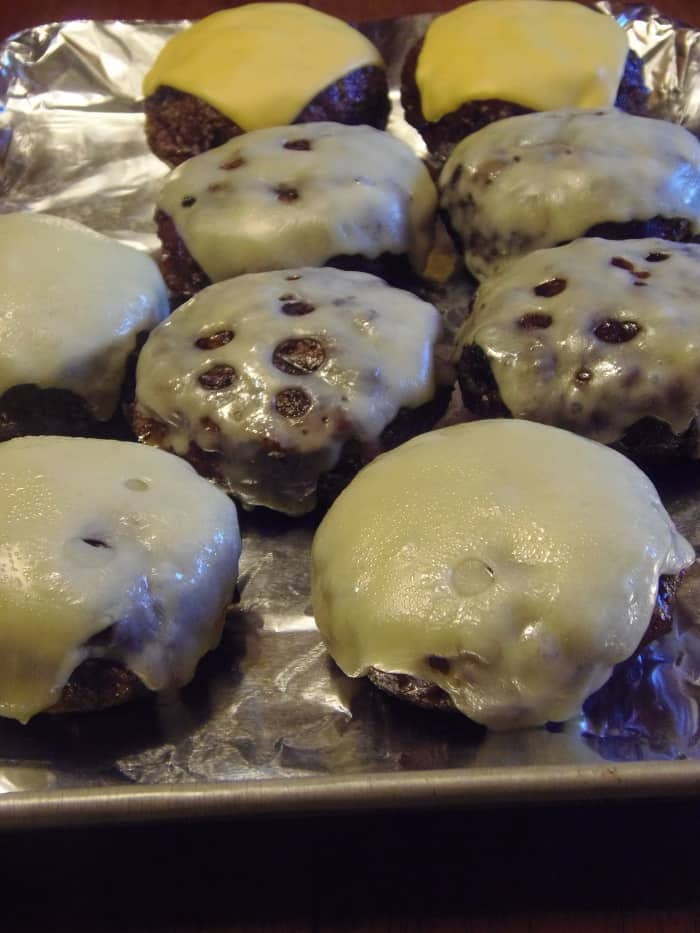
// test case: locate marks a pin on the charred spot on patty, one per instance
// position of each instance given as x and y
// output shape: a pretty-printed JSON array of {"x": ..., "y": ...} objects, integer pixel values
[
  {"x": 299, "y": 356},
  {"x": 286, "y": 193},
  {"x": 294, "y": 307},
  {"x": 293, "y": 403},
  {"x": 613, "y": 331},
  {"x": 220, "y": 376},
  {"x": 212, "y": 341},
  {"x": 298, "y": 145},
  {"x": 550, "y": 288},
  {"x": 534, "y": 320}
]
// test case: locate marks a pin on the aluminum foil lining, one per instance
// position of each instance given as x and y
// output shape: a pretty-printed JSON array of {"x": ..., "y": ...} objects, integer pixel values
[{"x": 269, "y": 704}]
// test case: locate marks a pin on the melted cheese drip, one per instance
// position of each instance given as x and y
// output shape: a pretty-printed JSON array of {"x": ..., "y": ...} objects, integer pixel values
[
  {"x": 357, "y": 191},
  {"x": 542, "y": 179},
  {"x": 378, "y": 344},
  {"x": 164, "y": 578},
  {"x": 525, "y": 556},
  {"x": 535, "y": 53},
  {"x": 71, "y": 304},
  {"x": 262, "y": 63},
  {"x": 563, "y": 373}
]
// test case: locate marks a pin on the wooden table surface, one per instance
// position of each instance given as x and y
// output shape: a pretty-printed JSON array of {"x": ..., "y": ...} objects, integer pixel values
[{"x": 612, "y": 868}]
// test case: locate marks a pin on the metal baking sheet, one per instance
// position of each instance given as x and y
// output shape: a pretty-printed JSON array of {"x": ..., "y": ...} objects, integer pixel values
[{"x": 269, "y": 725}]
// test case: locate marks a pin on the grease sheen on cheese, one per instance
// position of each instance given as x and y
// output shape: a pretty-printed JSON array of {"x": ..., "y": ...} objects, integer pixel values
[
  {"x": 535, "y": 53},
  {"x": 164, "y": 577},
  {"x": 526, "y": 556},
  {"x": 354, "y": 191},
  {"x": 71, "y": 304},
  {"x": 378, "y": 344},
  {"x": 564, "y": 373},
  {"x": 542, "y": 179},
  {"x": 260, "y": 64}
]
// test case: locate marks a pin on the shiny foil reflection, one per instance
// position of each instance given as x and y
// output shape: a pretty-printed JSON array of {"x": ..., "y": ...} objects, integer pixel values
[{"x": 269, "y": 703}]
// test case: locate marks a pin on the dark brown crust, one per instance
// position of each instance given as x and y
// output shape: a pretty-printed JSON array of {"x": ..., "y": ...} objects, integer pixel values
[
  {"x": 185, "y": 277},
  {"x": 407, "y": 423},
  {"x": 29, "y": 410},
  {"x": 393, "y": 268},
  {"x": 650, "y": 439},
  {"x": 96, "y": 684},
  {"x": 646, "y": 439},
  {"x": 441, "y": 136},
  {"x": 633, "y": 94},
  {"x": 675, "y": 229},
  {"x": 359, "y": 98},
  {"x": 100, "y": 683},
  {"x": 480, "y": 392},
  {"x": 662, "y": 617},
  {"x": 180, "y": 126},
  {"x": 413, "y": 690},
  {"x": 181, "y": 273},
  {"x": 430, "y": 696}
]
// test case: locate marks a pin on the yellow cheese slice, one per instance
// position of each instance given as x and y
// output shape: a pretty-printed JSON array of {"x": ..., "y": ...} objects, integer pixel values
[
  {"x": 534, "y": 53},
  {"x": 262, "y": 63}
]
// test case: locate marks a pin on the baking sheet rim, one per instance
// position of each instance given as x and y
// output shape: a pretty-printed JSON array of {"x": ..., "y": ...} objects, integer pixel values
[
  {"x": 457, "y": 788},
  {"x": 425, "y": 790}
]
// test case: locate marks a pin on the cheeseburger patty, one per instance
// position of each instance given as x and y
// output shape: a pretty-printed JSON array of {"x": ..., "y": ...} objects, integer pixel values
[
  {"x": 503, "y": 567},
  {"x": 180, "y": 125},
  {"x": 128, "y": 561},
  {"x": 281, "y": 385},
  {"x": 441, "y": 136},
  {"x": 598, "y": 337},
  {"x": 543, "y": 179}
]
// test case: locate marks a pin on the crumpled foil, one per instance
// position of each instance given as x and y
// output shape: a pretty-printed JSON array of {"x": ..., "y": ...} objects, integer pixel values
[{"x": 269, "y": 703}]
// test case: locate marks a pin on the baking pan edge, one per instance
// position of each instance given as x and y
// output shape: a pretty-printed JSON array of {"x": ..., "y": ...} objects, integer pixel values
[{"x": 444, "y": 789}]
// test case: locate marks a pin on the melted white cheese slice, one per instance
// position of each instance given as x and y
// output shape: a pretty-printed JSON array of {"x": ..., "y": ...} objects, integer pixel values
[
  {"x": 72, "y": 302},
  {"x": 535, "y": 53},
  {"x": 254, "y": 205},
  {"x": 524, "y": 557},
  {"x": 542, "y": 179},
  {"x": 260, "y": 64},
  {"x": 376, "y": 347},
  {"x": 618, "y": 339},
  {"x": 161, "y": 566}
]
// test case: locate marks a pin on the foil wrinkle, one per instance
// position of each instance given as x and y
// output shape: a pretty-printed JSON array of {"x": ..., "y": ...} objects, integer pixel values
[{"x": 269, "y": 703}]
